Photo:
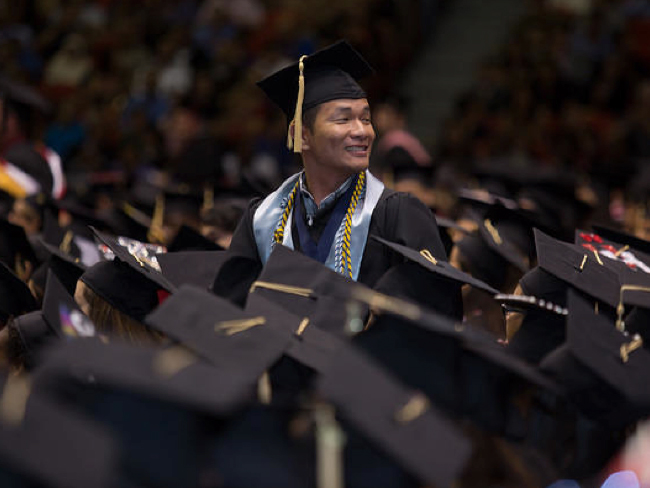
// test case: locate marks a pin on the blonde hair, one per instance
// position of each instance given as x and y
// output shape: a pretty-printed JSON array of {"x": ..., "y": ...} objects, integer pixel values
[{"x": 110, "y": 321}]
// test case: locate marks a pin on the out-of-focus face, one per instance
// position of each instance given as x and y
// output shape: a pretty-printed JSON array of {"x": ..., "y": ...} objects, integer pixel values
[
  {"x": 341, "y": 137},
  {"x": 25, "y": 216}
]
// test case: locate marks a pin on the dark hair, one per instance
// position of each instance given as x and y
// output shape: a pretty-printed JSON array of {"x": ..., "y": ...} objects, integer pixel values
[{"x": 309, "y": 117}]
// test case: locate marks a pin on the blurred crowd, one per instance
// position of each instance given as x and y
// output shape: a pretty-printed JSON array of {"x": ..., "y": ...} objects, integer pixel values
[{"x": 153, "y": 86}]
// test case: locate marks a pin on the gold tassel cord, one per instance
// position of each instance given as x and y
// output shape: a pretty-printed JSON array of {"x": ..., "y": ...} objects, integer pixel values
[
  {"x": 621, "y": 250},
  {"x": 584, "y": 261},
  {"x": 620, "y": 309},
  {"x": 264, "y": 389},
  {"x": 598, "y": 258},
  {"x": 416, "y": 407},
  {"x": 384, "y": 303},
  {"x": 303, "y": 325},
  {"x": 330, "y": 441},
  {"x": 156, "y": 233},
  {"x": 493, "y": 231},
  {"x": 629, "y": 347},
  {"x": 65, "y": 243},
  {"x": 292, "y": 290},
  {"x": 428, "y": 256},
  {"x": 232, "y": 327},
  {"x": 295, "y": 142}
]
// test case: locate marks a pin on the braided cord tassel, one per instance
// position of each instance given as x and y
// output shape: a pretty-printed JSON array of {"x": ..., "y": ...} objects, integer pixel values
[
  {"x": 346, "y": 264},
  {"x": 278, "y": 235}
]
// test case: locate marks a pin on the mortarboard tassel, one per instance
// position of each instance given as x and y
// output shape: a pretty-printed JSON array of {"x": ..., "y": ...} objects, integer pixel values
[
  {"x": 208, "y": 198},
  {"x": 155, "y": 233},
  {"x": 295, "y": 142}
]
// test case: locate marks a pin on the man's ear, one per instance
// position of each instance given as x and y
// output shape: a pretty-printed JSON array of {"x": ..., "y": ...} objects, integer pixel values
[{"x": 306, "y": 137}]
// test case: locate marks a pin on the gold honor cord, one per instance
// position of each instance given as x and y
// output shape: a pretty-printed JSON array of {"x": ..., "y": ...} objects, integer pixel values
[
  {"x": 278, "y": 235},
  {"x": 493, "y": 231},
  {"x": 429, "y": 257},
  {"x": 414, "y": 408},
  {"x": 232, "y": 327},
  {"x": 384, "y": 303},
  {"x": 172, "y": 361},
  {"x": 620, "y": 309},
  {"x": 279, "y": 287},
  {"x": 14, "y": 399},
  {"x": 629, "y": 347}
]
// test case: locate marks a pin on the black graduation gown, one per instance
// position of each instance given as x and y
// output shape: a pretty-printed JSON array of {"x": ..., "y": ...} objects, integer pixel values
[{"x": 398, "y": 217}]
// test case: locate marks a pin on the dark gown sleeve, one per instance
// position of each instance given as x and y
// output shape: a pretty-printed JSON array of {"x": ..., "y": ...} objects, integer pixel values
[{"x": 242, "y": 265}]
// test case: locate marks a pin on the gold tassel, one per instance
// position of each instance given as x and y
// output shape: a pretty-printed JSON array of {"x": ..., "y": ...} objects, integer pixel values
[
  {"x": 155, "y": 233},
  {"x": 295, "y": 142},
  {"x": 13, "y": 402},
  {"x": 208, "y": 198}
]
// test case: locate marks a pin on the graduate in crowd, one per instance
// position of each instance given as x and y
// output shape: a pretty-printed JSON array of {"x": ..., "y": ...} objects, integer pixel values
[{"x": 329, "y": 210}]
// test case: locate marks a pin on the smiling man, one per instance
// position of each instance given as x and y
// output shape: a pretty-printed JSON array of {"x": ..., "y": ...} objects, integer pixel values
[{"x": 329, "y": 210}]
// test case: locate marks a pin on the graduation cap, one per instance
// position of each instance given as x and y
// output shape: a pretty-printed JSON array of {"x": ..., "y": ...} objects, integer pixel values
[
  {"x": 67, "y": 268},
  {"x": 603, "y": 369},
  {"x": 223, "y": 334},
  {"x": 197, "y": 268},
  {"x": 439, "y": 267},
  {"x": 138, "y": 255},
  {"x": 42, "y": 443},
  {"x": 59, "y": 318},
  {"x": 463, "y": 370},
  {"x": 326, "y": 75},
  {"x": 15, "y": 248},
  {"x": 15, "y": 296},
  {"x": 396, "y": 419},
  {"x": 430, "y": 282},
  {"x": 608, "y": 281},
  {"x": 306, "y": 288},
  {"x": 161, "y": 404}
]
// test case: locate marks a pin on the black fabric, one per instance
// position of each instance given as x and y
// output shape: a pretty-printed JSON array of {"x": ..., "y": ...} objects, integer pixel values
[
  {"x": 329, "y": 74},
  {"x": 25, "y": 157},
  {"x": 398, "y": 217},
  {"x": 123, "y": 288}
]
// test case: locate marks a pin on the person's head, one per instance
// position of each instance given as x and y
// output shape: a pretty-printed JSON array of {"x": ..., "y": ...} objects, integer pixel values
[
  {"x": 329, "y": 112},
  {"x": 116, "y": 298},
  {"x": 340, "y": 136}
]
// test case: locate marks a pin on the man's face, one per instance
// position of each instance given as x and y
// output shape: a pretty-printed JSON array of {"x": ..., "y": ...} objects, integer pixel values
[{"x": 341, "y": 137}]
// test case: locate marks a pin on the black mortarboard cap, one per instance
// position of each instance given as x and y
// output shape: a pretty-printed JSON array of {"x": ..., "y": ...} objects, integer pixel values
[
  {"x": 306, "y": 288},
  {"x": 14, "y": 245},
  {"x": 463, "y": 370},
  {"x": 15, "y": 296},
  {"x": 591, "y": 273},
  {"x": 602, "y": 369},
  {"x": 157, "y": 402},
  {"x": 326, "y": 75},
  {"x": 67, "y": 268},
  {"x": 60, "y": 317},
  {"x": 398, "y": 420},
  {"x": 221, "y": 333},
  {"x": 138, "y": 256},
  {"x": 197, "y": 268},
  {"x": 437, "y": 266},
  {"x": 49, "y": 445}
]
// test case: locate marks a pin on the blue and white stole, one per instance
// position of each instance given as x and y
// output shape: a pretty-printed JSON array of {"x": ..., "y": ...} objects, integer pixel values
[{"x": 268, "y": 218}]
